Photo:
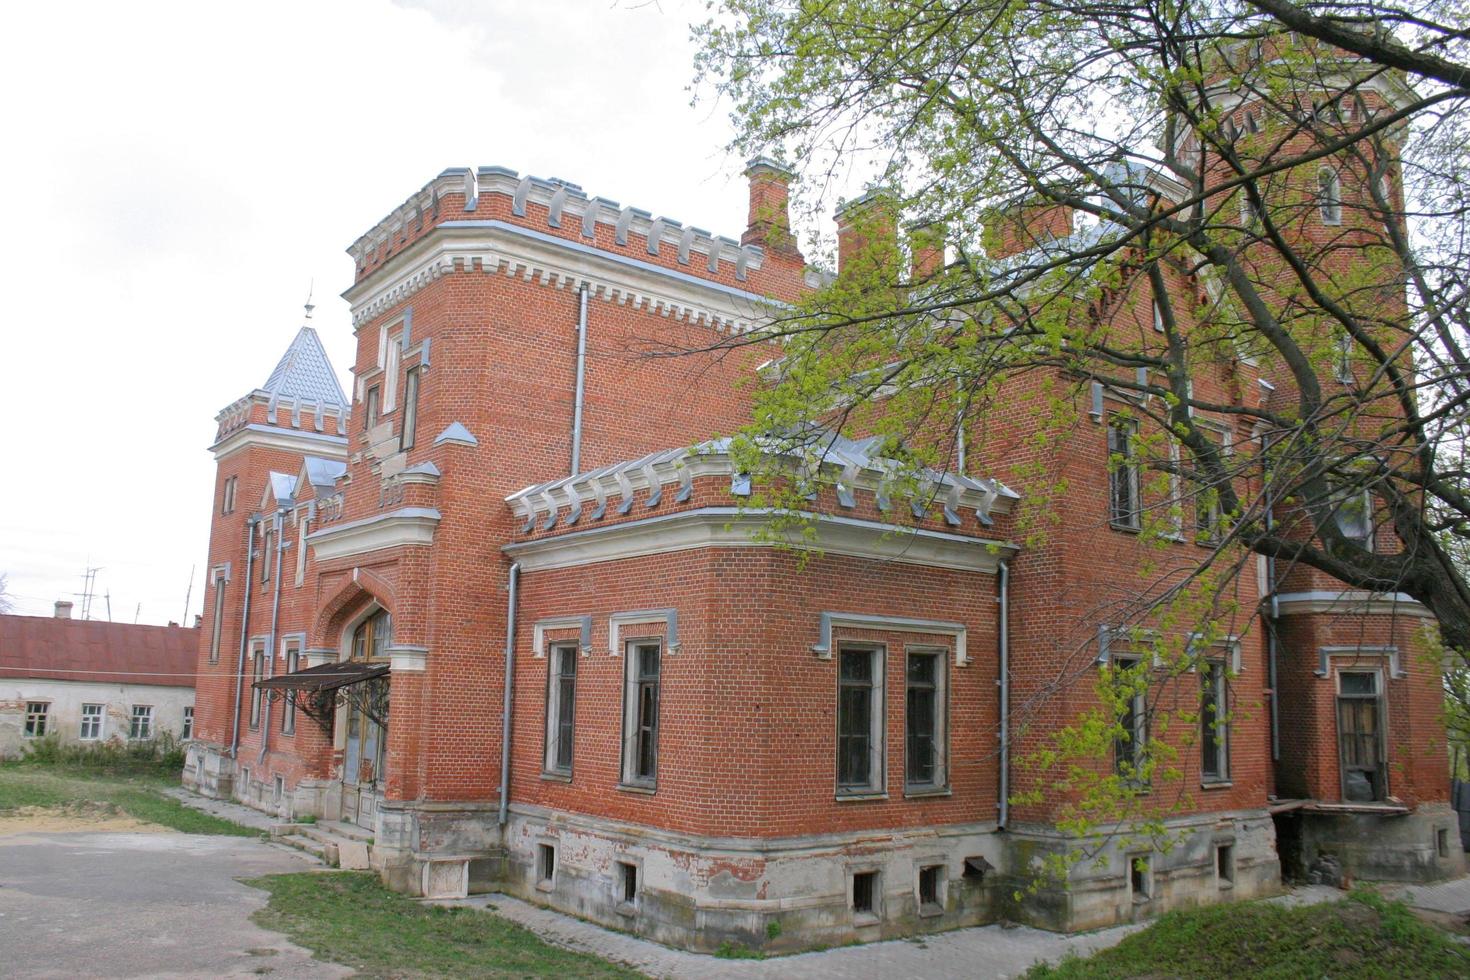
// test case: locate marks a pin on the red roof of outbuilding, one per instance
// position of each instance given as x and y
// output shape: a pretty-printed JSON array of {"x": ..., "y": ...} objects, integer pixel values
[{"x": 88, "y": 650}]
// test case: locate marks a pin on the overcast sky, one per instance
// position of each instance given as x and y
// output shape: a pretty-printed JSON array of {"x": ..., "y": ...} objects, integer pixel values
[{"x": 176, "y": 175}]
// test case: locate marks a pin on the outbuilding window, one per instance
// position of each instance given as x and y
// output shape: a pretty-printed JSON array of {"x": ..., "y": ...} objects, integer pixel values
[
  {"x": 91, "y": 723},
  {"x": 140, "y": 728},
  {"x": 37, "y": 713}
]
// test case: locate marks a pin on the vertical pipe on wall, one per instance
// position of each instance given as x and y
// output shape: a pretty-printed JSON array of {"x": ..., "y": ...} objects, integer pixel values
[
  {"x": 278, "y": 527},
  {"x": 581, "y": 379},
  {"x": 1004, "y": 682},
  {"x": 251, "y": 523},
  {"x": 510, "y": 673}
]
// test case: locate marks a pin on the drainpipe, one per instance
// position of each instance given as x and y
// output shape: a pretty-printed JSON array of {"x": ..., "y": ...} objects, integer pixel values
[
  {"x": 1004, "y": 681},
  {"x": 251, "y": 523},
  {"x": 581, "y": 379},
  {"x": 510, "y": 674},
  {"x": 270, "y": 651},
  {"x": 1273, "y": 647}
]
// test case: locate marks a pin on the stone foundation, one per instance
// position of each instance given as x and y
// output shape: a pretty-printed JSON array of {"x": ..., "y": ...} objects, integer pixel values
[{"x": 1342, "y": 847}]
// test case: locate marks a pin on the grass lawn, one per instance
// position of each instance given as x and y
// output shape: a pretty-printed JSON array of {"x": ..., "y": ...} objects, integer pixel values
[
  {"x": 1361, "y": 936},
  {"x": 138, "y": 794},
  {"x": 349, "y": 917}
]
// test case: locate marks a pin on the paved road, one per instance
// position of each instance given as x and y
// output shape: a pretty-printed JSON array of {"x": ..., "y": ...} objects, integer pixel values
[{"x": 142, "y": 905}]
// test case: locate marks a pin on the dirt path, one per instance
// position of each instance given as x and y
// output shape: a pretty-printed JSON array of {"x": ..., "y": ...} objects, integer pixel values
[{"x": 93, "y": 818}]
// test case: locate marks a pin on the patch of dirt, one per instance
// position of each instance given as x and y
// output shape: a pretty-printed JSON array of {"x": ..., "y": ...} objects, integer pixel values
[{"x": 76, "y": 818}]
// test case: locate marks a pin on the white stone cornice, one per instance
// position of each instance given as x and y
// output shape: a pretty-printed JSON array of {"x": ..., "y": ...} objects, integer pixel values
[
  {"x": 405, "y": 526},
  {"x": 1351, "y": 603},
  {"x": 730, "y": 527},
  {"x": 502, "y": 248},
  {"x": 280, "y": 437}
]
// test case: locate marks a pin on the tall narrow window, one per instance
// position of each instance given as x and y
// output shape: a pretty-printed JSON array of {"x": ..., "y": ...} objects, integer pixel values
[
  {"x": 217, "y": 618},
  {"x": 187, "y": 732},
  {"x": 1354, "y": 517},
  {"x": 257, "y": 671},
  {"x": 1343, "y": 362},
  {"x": 1128, "y": 758},
  {"x": 924, "y": 722},
  {"x": 140, "y": 728},
  {"x": 1329, "y": 196},
  {"x": 268, "y": 543},
  {"x": 370, "y": 413},
  {"x": 288, "y": 710},
  {"x": 1207, "y": 513},
  {"x": 410, "y": 408},
  {"x": 91, "y": 723},
  {"x": 859, "y": 720},
  {"x": 1123, "y": 509},
  {"x": 640, "y": 714},
  {"x": 561, "y": 696},
  {"x": 227, "y": 496},
  {"x": 1214, "y": 726},
  {"x": 1360, "y": 736},
  {"x": 390, "y": 372},
  {"x": 303, "y": 524},
  {"x": 37, "y": 714}
]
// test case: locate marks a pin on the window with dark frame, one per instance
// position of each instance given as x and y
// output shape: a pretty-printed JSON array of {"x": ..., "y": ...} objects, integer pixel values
[
  {"x": 410, "y": 408},
  {"x": 1360, "y": 736},
  {"x": 1214, "y": 727},
  {"x": 858, "y": 718},
  {"x": 640, "y": 720},
  {"x": 370, "y": 410},
  {"x": 37, "y": 714},
  {"x": 257, "y": 671},
  {"x": 929, "y": 882},
  {"x": 268, "y": 541},
  {"x": 545, "y": 864},
  {"x": 1225, "y": 865},
  {"x": 1123, "y": 500},
  {"x": 924, "y": 721},
  {"x": 629, "y": 874},
  {"x": 288, "y": 709},
  {"x": 1139, "y": 885},
  {"x": 217, "y": 624},
  {"x": 188, "y": 730},
  {"x": 1128, "y": 745},
  {"x": 561, "y": 698}
]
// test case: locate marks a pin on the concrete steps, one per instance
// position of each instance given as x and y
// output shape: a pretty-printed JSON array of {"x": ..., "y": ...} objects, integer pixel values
[{"x": 337, "y": 844}]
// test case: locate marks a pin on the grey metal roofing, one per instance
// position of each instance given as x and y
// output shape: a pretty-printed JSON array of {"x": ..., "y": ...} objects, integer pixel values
[
  {"x": 304, "y": 373},
  {"x": 322, "y": 473}
]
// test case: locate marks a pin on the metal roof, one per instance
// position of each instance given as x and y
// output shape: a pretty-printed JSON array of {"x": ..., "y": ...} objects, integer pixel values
[{"x": 304, "y": 373}]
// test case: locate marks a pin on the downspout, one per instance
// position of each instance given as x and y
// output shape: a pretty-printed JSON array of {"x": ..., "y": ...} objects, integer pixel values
[
  {"x": 510, "y": 673},
  {"x": 581, "y": 379},
  {"x": 1272, "y": 647},
  {"x": 270, "y": 650},
  {"x": 251, "y": 523},
  {"x": 1004, "y": 681}
]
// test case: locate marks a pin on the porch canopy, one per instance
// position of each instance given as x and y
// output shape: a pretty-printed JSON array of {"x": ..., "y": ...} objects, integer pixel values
[{"x": 324, "y": 677}]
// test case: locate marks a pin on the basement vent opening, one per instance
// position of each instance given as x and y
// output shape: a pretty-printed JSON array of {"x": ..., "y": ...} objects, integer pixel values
[
  {"x": 1138, "y": 878},
  {"x": 545, "y": 864},
  {"x": 1225, "y": 864},
  {"x": 865, "y": 892},
  {"x": 1442, "y": 842},
  {"x": 629, "y": 873},
  {"x": 278, "y": 790},
  {"x": 930, "y": 884}
]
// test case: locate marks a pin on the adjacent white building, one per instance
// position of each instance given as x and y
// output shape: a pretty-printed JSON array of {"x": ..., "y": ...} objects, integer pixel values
[{"x": 89, "y": 681}]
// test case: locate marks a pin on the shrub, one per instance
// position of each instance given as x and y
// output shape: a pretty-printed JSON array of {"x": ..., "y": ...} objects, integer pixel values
[{"x": 162, "y": 755}]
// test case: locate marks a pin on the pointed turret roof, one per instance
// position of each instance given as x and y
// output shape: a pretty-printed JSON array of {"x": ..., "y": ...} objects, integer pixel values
[{"x": 305, "y": 374}]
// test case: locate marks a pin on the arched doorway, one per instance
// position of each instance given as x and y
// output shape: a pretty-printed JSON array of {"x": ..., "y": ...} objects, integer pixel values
[{"x": 364, "y": 750}]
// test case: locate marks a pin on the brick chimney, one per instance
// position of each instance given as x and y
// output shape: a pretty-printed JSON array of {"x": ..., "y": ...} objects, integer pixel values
[
  {"x": 1025, "y": 226},
  {"x": 63, "y": 609},
  {"x": 769, "y": 222},
  {"x": 926, "y": 240},
  {"x": 867, "y": 233}
]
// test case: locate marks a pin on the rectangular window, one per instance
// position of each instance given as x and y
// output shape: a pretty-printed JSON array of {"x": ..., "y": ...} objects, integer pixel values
[
  {"x": 1140, "y": 883},
  {"x": 278, "y": 789},
  {"x": 188, "y": 730},
  {"x": 288, "y": 709},
  {"x": 1329, "y": 196},
  {"x": 924, "y": 721},
  {"x": 860, "y": 720},
  {"x": 865, "y": 893},
  {"x": 1123, "y": 508},
  {"x": 629, "y": 875},
  {"x": 561, "y": 697},
  {"x": 302, "y": 530},
  {"x": 1354, "y": 517},
  {"x": 217, "y": 619},
  {"x": 1225, "y": 865},
  {"x": 268, "y": 542},
  {"x": 91, "y": 722},
  {"x": 545, "y": 865},
  {"x": 36, "y": 714},
  {"x": 931, "y": 887},
  {"x": 1128, "y": 744},
  {"x": 257, "y": 671},
  {"x": 1360, "y": 736},
  {"x": 640, "y": 714},
  {"x": 410, "y": 408},
  {"x": 140, "y": 727},
  {"x": 227, "y": 496},
  {"x": 1214, "y": 724},
  {"x": 370, "y": 415},
  {"x": 390, "y": 372}
]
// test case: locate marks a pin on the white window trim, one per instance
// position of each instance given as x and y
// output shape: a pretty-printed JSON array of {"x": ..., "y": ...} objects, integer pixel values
[
  {"x": 627, "y": 779},
  {"x": 101, "y": 719},
  {"x": 582, "y": 623},
  {"x": 940, "y": 784},
  {"x": 186, "y": 724},
  {"x": 643, "y": 617},
  {"x": 877, "y": 785},
  {"x": 891, "y": 624},
  {"x": 133, "y": 716},
  {"x": 44, "y": 714}
]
